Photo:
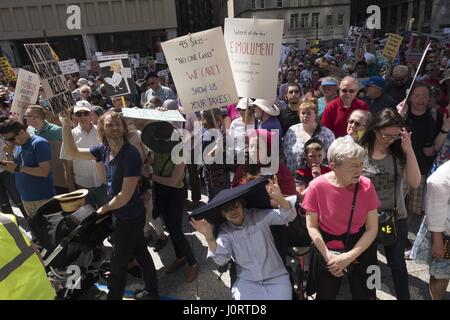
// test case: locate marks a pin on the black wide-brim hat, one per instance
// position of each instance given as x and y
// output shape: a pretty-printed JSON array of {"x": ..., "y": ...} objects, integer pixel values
[
  {"x": 157, "y": 137},
  {"x": 254, "y": 193}
]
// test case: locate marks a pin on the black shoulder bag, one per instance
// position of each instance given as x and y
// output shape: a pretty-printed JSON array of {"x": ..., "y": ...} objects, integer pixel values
[{"x": 387, "y": 219}]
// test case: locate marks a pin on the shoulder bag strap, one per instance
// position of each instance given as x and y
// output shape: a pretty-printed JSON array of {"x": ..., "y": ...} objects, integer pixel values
[
  {"x": 395, "y": 183},
  {"x": 351, "y": 215}
]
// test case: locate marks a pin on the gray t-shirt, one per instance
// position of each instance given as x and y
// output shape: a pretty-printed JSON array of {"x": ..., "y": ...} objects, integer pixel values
[{"x": 381, "y": 172}]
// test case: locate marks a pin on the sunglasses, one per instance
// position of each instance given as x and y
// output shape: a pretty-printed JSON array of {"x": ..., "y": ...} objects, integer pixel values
[
  {"x": 348, "y": 90},
  {"x": 82, "y": 114},
  {"x": 12, "y": 139},
  {"x": 390, "y": 137},
  {"x": 354, "y": 122}
]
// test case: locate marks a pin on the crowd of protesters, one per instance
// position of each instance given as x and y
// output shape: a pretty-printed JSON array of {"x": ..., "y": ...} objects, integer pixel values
[{"x": 347, "y": 137}]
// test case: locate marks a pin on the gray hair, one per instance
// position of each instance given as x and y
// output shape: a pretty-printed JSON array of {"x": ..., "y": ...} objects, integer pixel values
[
  {"x": 342, "y": 149},
  {"x": 351, "y": 79}
]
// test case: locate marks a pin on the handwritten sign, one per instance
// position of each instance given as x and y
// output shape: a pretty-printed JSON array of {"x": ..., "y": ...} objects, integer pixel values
[
  {"x": 27, "y": 91},
  {"x": 393, "y": 43},
  {"x": 148, "y": 114},
  {"x": 416, "y": 47},
  {"x": 201, "y": 70},
  {"x": 50, "y": 74},
  {"x": 254, "y": 47},
  {"x": 6, "y": 69},
  {"x": 69, "y": 66}
]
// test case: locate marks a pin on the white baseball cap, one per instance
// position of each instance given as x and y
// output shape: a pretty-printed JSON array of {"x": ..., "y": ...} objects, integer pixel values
[{"x": 82, "y": 105}]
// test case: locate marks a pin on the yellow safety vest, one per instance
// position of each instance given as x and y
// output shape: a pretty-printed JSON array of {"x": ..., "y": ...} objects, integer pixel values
[{"x": 22, "y": 275}]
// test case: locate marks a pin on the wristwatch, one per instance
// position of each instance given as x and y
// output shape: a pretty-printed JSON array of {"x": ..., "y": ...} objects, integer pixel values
[{"x": 17, "y": 169}]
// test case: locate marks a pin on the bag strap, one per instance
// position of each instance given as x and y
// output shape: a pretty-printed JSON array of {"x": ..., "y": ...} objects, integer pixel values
[
  {"x": 164, "y": 166},
  {"x": 395, "y": 183},
  {"x": 351, "y": 216}
]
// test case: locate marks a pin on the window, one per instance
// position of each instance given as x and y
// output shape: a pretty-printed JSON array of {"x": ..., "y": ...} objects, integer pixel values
[
  {"x": 294, "y": 21},
  {"x": 393, "y": 16},
  {"x": 280, "y": 3},
  {"x": 340, "y": 19},
  {"x": 304, "y": 21},
  {"x": 404, "y": 14},
  {"x": 253, "y": 4},
  {"x": 261, "y": 4},
  {"x": 428, "y": 10},
  {"x": 329, "y": 20},
  {"x": 315, "y": 20}
]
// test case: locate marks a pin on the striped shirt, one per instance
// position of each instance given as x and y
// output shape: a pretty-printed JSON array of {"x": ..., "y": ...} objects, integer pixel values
[{"x": 84, "y": 171}]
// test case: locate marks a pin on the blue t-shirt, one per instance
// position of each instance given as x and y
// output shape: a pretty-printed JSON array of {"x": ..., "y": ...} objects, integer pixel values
[
  {"x": 32, "y": 188},
  {"x": 127, "y": 163}
]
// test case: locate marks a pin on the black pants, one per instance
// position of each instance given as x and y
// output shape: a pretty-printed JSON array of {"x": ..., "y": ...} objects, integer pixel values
[
  {"x": 128, "y": 241},
  {"x": 194, "y": 182},
  {"x": 8, "y": 191},
  {"x": 169, "y": 203}
]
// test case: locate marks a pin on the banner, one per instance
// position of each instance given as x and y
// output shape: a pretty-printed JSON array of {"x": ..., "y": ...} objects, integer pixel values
[
  {"x": 69, "y": 66},
  {"x": 52, "y": 79},
  {"x": 116, "y": 71},
  {"x": 253, "y": 47},
  {"x": 148, "y": 114},
  {"x": 27, "y": 91},
  {"x": 416, "y": 47},
  {"x": 201, "y": 70},
  {"x": 391, "y": 47},
  {"x": 6, "y": 69}
]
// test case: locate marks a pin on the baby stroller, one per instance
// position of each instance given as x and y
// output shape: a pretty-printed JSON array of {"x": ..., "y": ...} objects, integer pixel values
[{"x": 69, "y": 243}]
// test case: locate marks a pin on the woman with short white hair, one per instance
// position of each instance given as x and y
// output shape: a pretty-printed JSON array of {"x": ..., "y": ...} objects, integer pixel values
[{"x": 342, "y": 221}]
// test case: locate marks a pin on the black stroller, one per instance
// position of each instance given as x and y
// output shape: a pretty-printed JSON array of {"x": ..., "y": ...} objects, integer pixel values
[{"x": 70, "y": 243}]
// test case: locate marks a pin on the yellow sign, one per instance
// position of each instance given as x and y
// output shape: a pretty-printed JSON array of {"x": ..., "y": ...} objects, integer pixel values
[
  {"x": 392, "y": 45},
  {"x": 7, "y": 70}
]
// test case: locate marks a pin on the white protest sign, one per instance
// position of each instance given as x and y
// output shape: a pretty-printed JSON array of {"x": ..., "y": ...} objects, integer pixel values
[
  {"x": 27, "y": 91},
  {"x": 253, "y": 47},
  {"x": 52, "y": 79},
  {"x": 116, "y": 71},
  {"x": 69, "y": 66},
  {"x": 284, "y": 54},
  {"x": 201, "y": 70},
  {"x": 149, "y": 114}
]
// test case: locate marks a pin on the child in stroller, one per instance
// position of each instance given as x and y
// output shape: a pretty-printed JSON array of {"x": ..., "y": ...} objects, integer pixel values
[{"x": 69, "y": 240}]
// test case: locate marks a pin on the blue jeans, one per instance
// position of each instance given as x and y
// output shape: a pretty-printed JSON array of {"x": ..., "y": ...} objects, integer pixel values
[{"x": 395, "y": 256}]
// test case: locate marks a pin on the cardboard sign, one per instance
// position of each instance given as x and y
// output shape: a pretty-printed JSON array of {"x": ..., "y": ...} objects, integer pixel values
[
  {"x": 392, "y": 45},
  {"x": 416, "y": 47},
  {"x": 201, "y": 70},
  {"x": 7, "y": 70},
  {"x": 50, "y": 74},
  {"x": 148, "y": 114},
  {"x": 27, "y": 91},
  {"x": 253, "y": 47},
  {"x": 118, "y": 81},
  {"x": 69, "y": 66}
]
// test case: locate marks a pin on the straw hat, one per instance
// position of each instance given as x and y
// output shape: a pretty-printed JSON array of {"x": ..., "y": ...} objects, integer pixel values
[
  {"x": 72, "y": 201},
  {"x": 267, "y": 106}
]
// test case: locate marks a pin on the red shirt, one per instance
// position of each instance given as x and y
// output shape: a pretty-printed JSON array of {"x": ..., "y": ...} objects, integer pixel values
[
  {"x": 335, "y": 116},
  {"x": 285, "y": 179}
]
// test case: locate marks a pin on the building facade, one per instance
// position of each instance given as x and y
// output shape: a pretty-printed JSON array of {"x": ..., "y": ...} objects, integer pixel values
[
  {"x": 135, "y": 26},
  {"x": 303, "y": 19},
  {"x": 428, "y": 16}
]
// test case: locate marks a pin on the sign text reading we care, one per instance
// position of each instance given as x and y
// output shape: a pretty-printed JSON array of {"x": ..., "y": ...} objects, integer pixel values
[{"x": 201, "y": 70}]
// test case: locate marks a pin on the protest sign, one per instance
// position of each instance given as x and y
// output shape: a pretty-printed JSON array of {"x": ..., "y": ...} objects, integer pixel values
[
  {"x": 52, "y": 79},
  {"x": 7, "y": 70},
  {"x": 149, "y": 114},
  {"x": 392, "y": 45},
  {"x": 69, "y": 66},
  {"x": 201, "y": 70},
  {"x": 113, "y": 69},
  {"x": 253, "y": 47},
  {"x": 27, "y": 91},
  {"x": 284, "y": 54},
  {"x": 416, "y": 46},
  {"x": 354, "y": 33}
]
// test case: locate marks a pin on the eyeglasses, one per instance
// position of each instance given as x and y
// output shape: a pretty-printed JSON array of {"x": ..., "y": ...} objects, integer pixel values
[
  {"x": 348, "y": 90},
  {"x": 11, "y": 139},
  {"x": 82, "y": 113},
  {"x": 85, "y": 92},
  {"x": 354, "y": 122},
  {"x": 388, "y": 137},
  {"x": 293, "y": 91}
]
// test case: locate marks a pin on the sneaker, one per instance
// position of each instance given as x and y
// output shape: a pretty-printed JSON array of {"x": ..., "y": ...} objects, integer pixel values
[
  {"x": 192, "y": 273},
  {"x": 174, "y": 266},
  {"x": 160, "y": 244},
  {"x": 142, "y": 294}
]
